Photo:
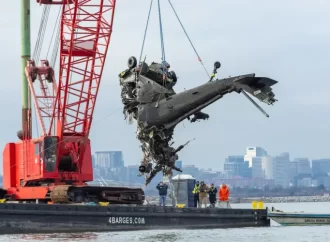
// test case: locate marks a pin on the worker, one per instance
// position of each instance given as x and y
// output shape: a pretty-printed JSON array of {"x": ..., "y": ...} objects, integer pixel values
[
  {"x": 162, "y": 189},
  {"x": 223, "y": 193},
  {"x": 213, "y": 195},
  {"x": 203, "y": 190},
  {"x": 196, "y": 194}
]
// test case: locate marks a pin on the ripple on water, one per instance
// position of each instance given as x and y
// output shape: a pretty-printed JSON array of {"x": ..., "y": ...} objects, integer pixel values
[{"x": 272, "y": 234}]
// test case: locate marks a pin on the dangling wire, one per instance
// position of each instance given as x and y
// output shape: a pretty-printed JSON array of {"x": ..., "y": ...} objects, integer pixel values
[
  {"x": 145, "y": 31},
  {"x": 199, "y": 59}
]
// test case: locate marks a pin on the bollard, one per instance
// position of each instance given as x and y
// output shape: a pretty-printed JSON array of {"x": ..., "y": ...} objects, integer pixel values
[
  {"x": 260, "y": 205},
  {"x": 254, "y": 204},
  {"x": 104, "y": 203},
  {"x": 180, "y": 205}
]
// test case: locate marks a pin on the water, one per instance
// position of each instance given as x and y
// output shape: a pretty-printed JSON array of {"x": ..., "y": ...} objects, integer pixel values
[{"x": 276, "y": 233}]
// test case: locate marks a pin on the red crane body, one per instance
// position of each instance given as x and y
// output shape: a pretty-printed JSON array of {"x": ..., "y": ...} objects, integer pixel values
[{"x": 60, "y": 160}]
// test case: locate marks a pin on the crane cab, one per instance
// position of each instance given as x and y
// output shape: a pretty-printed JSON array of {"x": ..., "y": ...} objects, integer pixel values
[{"x": 42, "y": 161}]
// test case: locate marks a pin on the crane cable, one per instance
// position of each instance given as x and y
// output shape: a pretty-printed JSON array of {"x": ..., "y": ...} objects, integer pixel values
[
  {"x": 41, "y": 33},
  {"x": 199, "y": 59},
  {"x": 145, "y": 31},
  {"x": 162, "y": 35},
  {"x": 40, "y": 39},
  {"x": 38, "y": 45},
  {"x": 162, "y": 44},
  {"x": 56, "y": 40}
]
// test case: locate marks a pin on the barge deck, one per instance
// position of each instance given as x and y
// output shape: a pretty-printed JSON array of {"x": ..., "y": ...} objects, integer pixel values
[{"x": 53, "y": 218}]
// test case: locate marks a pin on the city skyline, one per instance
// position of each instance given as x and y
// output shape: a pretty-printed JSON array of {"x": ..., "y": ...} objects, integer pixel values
[
  {"x": 256, "y": 168},
  {"x": 127, "y": 162}
]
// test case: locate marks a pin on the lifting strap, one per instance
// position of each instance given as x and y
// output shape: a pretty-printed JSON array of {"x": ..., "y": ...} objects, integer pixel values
[
  {"x": 162, "y": 44},
  {"x": 162, "y": 37},
  {"x": 161, "y": 33},
  {"x": 198, "y": 57},
  {"x": 145, "y": 31}
]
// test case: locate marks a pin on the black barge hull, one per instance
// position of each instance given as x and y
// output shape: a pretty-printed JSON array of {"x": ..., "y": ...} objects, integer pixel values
[{"x": 44, "y": 218}]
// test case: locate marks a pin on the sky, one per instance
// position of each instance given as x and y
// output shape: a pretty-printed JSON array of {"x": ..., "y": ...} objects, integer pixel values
[{"x": 288, "y": 41}]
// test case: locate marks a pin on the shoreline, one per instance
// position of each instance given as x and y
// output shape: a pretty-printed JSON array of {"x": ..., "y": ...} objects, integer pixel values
[
  {"x": 237, "y": 200},
  {"x": 289, "y": 199}
]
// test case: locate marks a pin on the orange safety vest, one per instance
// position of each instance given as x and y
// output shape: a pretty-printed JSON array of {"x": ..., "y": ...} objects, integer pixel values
[{"x": 223, "y": 193}]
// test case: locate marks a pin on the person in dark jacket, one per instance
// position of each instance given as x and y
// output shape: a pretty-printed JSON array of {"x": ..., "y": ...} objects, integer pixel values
[
  {"x": 162, "y": 189},
  {"x": 212, "y": 195}
]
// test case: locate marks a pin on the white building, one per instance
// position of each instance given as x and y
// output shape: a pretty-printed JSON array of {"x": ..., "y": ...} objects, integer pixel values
[{"x": 253, "y": 152}]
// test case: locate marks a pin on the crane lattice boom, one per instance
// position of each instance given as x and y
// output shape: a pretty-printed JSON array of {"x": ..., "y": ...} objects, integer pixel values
[{"x": 85, "y": 33}]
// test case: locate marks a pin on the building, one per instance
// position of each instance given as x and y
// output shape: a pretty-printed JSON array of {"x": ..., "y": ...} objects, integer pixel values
[
  {"x": 109, "y": 159},
  {"x": 299, "y": 169},
  {"x": 236, "y": 166},
  {"x": 321, "y": 171},
  {"x": 302, "y": 166},
  {"x": 257, "y": 171},
  {"x": 321, "y": 166},
  {"x": 281, "y": 165},
  {"x": 254, "y": 152},
  {"x": 267, "y": 167},
  {"x": 93, "y": 161},
  {"x": 192, "y": 170}
]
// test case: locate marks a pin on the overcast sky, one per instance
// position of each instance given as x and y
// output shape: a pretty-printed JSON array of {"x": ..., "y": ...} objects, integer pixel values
[{"x": 288, "y": 41}]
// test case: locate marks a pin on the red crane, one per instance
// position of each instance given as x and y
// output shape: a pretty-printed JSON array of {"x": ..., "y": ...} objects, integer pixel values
[{"x": 57, "y": 165}]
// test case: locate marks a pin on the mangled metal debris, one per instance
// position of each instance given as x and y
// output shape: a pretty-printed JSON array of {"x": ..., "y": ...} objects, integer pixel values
[{"x": 148, "y": 97}]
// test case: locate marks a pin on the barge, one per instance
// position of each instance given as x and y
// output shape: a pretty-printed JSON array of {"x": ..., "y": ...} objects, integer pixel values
[{"x": 19, "y": 218}]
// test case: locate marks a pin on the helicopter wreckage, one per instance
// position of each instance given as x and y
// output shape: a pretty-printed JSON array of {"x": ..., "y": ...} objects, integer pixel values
[{"x": 148, "y": 97}]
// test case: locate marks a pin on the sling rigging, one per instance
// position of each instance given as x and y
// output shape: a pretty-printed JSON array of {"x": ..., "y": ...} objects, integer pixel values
[{"x": 162, "y": 35}]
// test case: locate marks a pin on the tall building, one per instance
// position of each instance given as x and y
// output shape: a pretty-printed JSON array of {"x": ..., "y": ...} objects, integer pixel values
[
  {"x": 321, "y": 166},
  {"x": 300, "y": 166},
  {"x": 116, "y": 159},
  {"x": 236, "y": 166},
  {"x": 109, "y": 159},
  {"x": 321, "y": 171},
  {"x": 257, "y": 171},
  {"x": 281, "y": 165},
  {"x": 254, "y": 152}
]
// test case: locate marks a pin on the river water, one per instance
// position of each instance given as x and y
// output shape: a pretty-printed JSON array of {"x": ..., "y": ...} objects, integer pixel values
[{"x": 275, "y": 233}]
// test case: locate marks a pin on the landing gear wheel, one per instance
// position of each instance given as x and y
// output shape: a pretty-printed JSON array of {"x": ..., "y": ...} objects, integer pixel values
[
  {"x": 217, "y": 65},
  {"x": 132, "y": 62}
]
